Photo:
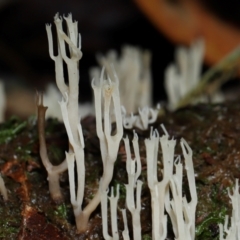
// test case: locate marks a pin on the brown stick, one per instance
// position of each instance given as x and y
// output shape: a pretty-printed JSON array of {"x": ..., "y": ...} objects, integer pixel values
[{"x": 53, "y": 171}]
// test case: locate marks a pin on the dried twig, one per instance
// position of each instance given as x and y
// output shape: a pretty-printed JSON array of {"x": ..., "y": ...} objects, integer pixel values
[{"x": 53, "y": 171}]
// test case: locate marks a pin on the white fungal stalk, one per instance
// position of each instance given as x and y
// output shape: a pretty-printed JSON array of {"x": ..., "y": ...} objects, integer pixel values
[
  {"x": 106, "y": 91},
  {"x": 3, "y": 189},
  {"x": 133, "y": 182},
  {"x": 182, "y": 213},
  {"x": 78, "y": 149},
  {"x": 191, "y": 206},
  {"x": 158, "y": 189},
  {"x": 113, "y": 210},
  {"x": 113, "y": 206},
  {"x": 73, "y": 41},
  {"x": 145, "y": 117},
  {"x": 104, "y": 212},
  {"x": 69, "y": 103},
  {"x": 182, "y": 77},
  {"x": 125, "y": 232},
  {"x": 133, "y": 70}
]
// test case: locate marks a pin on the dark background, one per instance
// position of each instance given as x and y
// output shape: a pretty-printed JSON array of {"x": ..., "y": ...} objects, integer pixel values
[
  {"x": 228, "y": 11},
  {"x": 104, "y": 25}
]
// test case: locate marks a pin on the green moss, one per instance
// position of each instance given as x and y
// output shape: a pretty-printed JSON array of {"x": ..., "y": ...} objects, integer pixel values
[
  {"x": 10, "y": 221},
  {"x": 23, "y": 152},
  {"x": 208, "y": 228},
  {"x": 8, "y": 232},
  {"x": 58, "y": 214},
  {"x": 11, "y": 129},
  {"x": 146, "y": 237},
  {"x": 204, "y": 230},
  {"x": 61, "y": 211}
]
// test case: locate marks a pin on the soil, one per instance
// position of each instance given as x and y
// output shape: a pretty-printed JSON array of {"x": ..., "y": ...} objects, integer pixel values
[{"x": 212, "y": 131}]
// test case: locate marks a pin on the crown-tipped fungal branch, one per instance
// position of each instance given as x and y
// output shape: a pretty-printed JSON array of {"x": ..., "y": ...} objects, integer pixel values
[
  {"x": 181, "y": 212},
  {"x": 133, "y": 173},
  {"x": 113, "y": 211},
  {"x": 157, "y": 188},
  {"x": 70, "y": 91},
  {"x": 69, "y": 104},
  {"x": 105, "y": 91}
]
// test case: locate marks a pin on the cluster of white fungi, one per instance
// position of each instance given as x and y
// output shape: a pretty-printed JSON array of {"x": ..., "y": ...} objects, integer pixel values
[{"x": 166, "y": 195}]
